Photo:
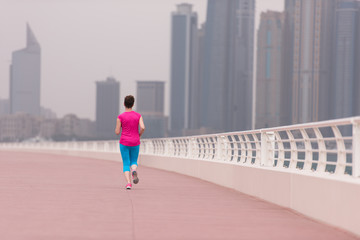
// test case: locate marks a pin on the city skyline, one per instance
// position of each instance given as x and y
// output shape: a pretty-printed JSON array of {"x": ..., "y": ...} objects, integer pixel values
[{"x": 80, "y": 58}]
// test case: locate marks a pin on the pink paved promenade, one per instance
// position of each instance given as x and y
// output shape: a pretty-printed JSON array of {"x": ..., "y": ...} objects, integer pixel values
[{"x": 52, "y": 197}]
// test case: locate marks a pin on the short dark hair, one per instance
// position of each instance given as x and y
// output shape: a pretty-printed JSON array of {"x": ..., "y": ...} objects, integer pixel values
[{"x": 129, "y": 101}]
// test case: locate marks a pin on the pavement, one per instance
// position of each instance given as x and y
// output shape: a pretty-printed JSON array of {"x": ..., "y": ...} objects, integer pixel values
[{"x": 54, "y": 197}]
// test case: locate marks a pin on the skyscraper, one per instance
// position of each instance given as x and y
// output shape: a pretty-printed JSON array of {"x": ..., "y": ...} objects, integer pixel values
[
  {"x": 312, "y": 58},
  {"x": 25, "y": 74},
  {"x": 287, "y": 63},
  {"x": 184, "y": 67},
  {"x": 346, "y": 59},
  {"x": 150, "y": 104},
  {"x": 196, "y": 84},
  {"x": 107, "y": 107},
  {"x": 150, "y": 97},
  {"x": 269, "y": 70},
  {"x": 228, "y": 65},
  {"x": 4, "y": 107},
  {"x": 357, "y": 69}
]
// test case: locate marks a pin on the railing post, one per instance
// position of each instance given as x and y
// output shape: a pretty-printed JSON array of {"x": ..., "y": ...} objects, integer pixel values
[
  {"x": 265, "y": 156},
  {"x": 219, "y": 149},
  {"x": 356, "y": 149},
  {"x": 189, "y": 148},
  {"x": 144, "y": 146},
  {"x": 264, "y": 151},
  {"x": 167, "y": 147}
]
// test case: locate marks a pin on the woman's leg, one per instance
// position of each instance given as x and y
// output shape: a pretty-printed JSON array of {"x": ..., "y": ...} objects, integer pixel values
[
  {"x": 127, "y": 177},
  {"x": 134, "y": 155},
  {"x": 125, "y": 155}
]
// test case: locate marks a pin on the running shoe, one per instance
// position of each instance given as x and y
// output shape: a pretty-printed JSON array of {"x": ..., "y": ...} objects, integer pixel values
[
  {"x": 135, "y": 177},
  {"x": 128, "y": 186}
]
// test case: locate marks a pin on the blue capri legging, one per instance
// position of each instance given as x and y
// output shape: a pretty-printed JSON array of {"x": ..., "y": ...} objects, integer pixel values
[{"x": 129, "y": 156}]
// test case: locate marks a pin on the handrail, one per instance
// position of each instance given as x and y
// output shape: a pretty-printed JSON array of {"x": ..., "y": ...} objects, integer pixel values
[{"x": 330, "y": 146}]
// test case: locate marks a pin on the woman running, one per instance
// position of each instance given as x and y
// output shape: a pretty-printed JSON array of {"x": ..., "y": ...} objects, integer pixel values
[{"x": 129, "y": 122}]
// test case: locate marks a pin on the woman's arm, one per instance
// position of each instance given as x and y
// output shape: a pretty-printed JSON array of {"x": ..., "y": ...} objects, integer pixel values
[
  {"x": 118, "y": 126},
  {"x": 142, "y": 126}
]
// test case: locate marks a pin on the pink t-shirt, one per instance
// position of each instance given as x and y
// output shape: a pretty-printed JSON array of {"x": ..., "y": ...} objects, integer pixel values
[{"x": 130, "y": 128}]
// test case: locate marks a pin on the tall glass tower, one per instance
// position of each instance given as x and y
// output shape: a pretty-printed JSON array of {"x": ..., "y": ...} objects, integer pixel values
[
  {"x": 312, "y": 58},
  {"x": 25, "y": 75},
  {"x": 269, "y": 70},
  {"x": 347, "y": 14},
  {"x": 228, "y": 65},
  {"x": 150, "y": 104},
  {"x": 107, "y": 107},
  {"x": 184, "y": 67}
]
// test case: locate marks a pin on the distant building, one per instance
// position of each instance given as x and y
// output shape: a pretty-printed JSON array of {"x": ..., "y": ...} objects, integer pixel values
[
  {"x": 23, "y": 127},
  {"x": 269, "y": 70},
  {"x": 227, "y": 84},
  {"x": 287, "y": 63},
  {"x": 25, "y": 71},
  {"x": 87, "y": 129},
  {"x": 70, "y": 127},
  {"x": 107, "y": 107},
  {"x": 196, "y": 111},
  {"x": 18, "y": 127},
  {"x": 150, "y": 97},
  {"x": 313, "y": 36},
  {"x": 47, "y": 113},
  {"x": 156, "y": 126},
  {"x": 4, "y": 107},
  {"x": 184, "y": 69},
  {"x": 357, "y": 69},
  {"x": 150, "y": 104},
  {"x": 346, "y": 81},
  {"x": 48, "y": 128}
]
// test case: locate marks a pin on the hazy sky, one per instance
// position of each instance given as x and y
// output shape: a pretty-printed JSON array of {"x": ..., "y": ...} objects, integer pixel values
[{"x": 84, "y": 41}]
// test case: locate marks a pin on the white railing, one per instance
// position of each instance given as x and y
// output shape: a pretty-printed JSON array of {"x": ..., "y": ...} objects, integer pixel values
[
  {"x": 90, "y": 146},
  {"x": 329, "y": 146}
]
